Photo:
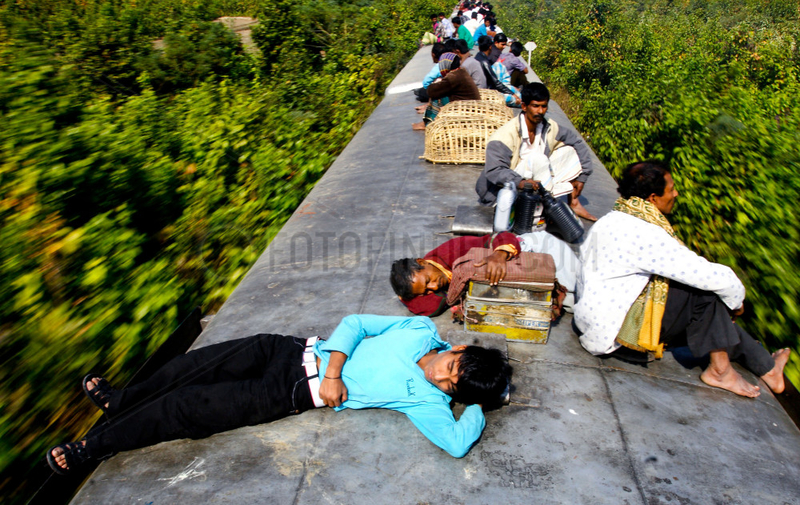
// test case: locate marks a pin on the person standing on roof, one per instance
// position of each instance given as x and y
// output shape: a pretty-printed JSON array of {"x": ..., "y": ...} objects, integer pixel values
[
  {"x": 403, "y": 366},
  {"x": 534, "y": 148},
  {"x": 641, "y": 289}
]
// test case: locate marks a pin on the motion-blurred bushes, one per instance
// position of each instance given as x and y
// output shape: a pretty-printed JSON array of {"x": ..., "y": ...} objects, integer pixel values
[
  {"x": 712, "y": 88},
  {"x": 137, "y": 182}
]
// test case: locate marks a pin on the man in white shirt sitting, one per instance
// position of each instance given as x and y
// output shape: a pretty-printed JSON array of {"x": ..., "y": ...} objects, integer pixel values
[
  {"x": 473, "y": 23},
  {"x": 640, "y": 287},
  {"x": 535, "y": 148}
]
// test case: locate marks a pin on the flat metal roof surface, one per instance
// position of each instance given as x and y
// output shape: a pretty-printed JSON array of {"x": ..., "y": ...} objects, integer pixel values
[{"x": 595, "y": 431}]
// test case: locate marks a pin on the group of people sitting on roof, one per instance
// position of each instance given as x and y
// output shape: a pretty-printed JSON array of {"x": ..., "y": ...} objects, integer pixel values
[
  {"x": 637, "y": 289},
  {"x": 458, "y": 71}
]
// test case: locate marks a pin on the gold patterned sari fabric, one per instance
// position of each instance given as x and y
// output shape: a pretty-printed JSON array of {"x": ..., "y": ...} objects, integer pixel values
[{"x": 641, "y": 329}]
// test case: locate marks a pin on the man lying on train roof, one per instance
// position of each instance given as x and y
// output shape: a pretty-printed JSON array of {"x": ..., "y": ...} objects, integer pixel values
[
  {"x": 642, "y": 288},
  {"x": 520, "y": 150},
  {"x": 421, "y": 283},
  {"x": 404, "y": 366}
]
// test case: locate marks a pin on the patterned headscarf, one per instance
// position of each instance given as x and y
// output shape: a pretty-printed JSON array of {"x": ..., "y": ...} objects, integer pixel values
[{"x": 446, "y": 61}]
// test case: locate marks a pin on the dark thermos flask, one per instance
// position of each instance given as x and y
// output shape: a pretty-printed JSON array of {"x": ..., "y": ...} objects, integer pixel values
[
  {"x": 558, "y": 213},
  {"x": 525, "y": 209}
]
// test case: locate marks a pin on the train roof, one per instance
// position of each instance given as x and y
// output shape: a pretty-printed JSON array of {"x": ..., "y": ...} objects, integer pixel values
[{"x": 580, "y": 429}]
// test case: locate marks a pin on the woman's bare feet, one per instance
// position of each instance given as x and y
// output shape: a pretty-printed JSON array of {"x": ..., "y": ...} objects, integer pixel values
[
  {"x": 421, "y": 109},
  {"x": 774, "y": 378},
  {"x": 720, "y": 374},
  {"x": 418, "y": 126}
]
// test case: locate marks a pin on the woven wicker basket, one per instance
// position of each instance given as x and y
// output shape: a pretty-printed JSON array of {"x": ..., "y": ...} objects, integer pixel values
[
  {"x": 452, "y": 139},
  {"x": 491, "y": 95},
  {"x": 476, "y": 108}
]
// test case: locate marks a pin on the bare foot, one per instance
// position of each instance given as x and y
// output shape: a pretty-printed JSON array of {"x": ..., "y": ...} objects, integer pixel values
[
  {"x": 730, "y": 380},
  {"x": 580, "y": 210},
  {"x": 774, "y": 378},
  {"x": 418, "y": 126},
  {"x": 421, "y": 109}
]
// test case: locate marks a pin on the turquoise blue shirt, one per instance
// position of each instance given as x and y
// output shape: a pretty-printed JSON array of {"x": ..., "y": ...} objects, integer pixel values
[
  {"x": 434, "y": 74},
  {"x": 382, "y": 372},
  {"x": 479, "y": 31}
]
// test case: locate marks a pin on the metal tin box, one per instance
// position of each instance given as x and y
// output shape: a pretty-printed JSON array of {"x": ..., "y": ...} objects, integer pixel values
[{"x": 520, "y": 311}]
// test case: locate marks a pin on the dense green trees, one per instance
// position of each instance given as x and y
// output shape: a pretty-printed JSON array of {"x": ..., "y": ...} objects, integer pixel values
[
  {"x": 713, "y": 88},
  {"x": 137, "y": 183}
]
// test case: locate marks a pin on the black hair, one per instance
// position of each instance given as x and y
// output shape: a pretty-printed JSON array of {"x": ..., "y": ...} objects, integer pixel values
[
  {"x": 402, "y": 272},
  {"x": 484, "y": 376},
  {"x": 474, "y": 15},
  {"x": 461, "y": 46},
  {"x": 450, "y": 45},
  {"x": 456, "y": 21},
  {"x": 456, "y": 63},
  {"x": 434, "y": 16},
  {"x": 438, "y": 50},
  {"x": 643, "y": 179},
  {"x": 535, "y": 91},
  {"x": 501, "y": 37},
  {"x": 441, "y": 13},
  {"x": 484, "y": 43},
  {"x": 516, "y": 48}
]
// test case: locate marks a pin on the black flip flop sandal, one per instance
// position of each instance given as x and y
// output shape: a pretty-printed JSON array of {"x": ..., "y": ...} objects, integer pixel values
[
  {"x": 74, "y": 453},
  {"x": 102, "y": 392}
]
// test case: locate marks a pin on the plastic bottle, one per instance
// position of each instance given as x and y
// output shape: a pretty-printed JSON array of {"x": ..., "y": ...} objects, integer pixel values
[
  {"x": 525, "y": 209},
  {"x": 560, "y": 214},
  {"x": 505, "y": 202}
]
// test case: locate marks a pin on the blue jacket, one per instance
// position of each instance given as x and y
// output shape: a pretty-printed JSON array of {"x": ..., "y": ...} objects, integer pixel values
[{"x": 382, "y": 372}]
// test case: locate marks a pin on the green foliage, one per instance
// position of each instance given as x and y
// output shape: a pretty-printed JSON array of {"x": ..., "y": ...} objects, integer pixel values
[
  {"x": 139, "y": 180},
  {"x": 194, "y": 54},
  {"x": 712, "y": 88}
]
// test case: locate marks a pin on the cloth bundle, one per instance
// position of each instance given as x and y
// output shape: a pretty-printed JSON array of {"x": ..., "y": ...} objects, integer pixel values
[{"x": 526, "y": 267}]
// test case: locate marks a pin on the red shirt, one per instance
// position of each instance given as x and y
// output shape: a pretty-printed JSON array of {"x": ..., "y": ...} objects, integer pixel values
[{"x": 445, "y": 255}]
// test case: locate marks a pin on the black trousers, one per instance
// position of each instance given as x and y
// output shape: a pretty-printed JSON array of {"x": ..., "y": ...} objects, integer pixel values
[
  {"x": 701, "y": 320},
  {"x": 212, "y": 389},
  {"x": 518, "y": 79}
]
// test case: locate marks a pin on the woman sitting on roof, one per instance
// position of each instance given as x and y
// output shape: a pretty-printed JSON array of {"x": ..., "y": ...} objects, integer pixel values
[{"x": 455, "y": 84}]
